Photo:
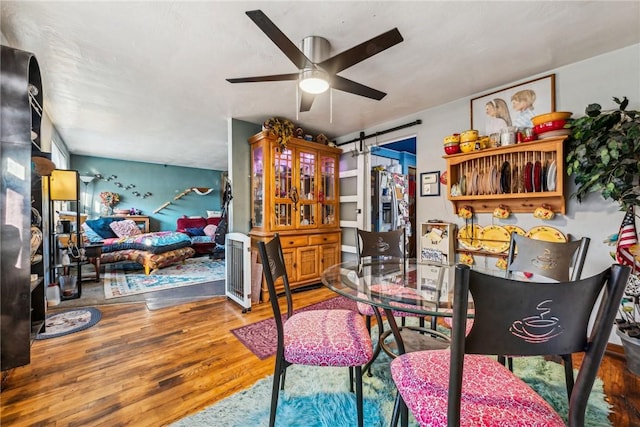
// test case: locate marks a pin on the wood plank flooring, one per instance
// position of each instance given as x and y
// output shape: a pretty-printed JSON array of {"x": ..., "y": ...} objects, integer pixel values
[{"x": 150, "y": 368}]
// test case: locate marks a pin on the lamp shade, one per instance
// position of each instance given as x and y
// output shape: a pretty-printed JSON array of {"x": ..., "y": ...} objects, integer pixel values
[
  {"x": 314, "y": 81},
  {"x": 63, "y": 185}
]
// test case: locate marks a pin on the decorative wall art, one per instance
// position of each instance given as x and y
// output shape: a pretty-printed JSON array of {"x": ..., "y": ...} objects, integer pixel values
[{"x": 513, "y": 105}]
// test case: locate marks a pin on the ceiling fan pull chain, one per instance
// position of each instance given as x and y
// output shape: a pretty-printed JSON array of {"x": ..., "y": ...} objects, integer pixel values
[
  {"x": 330, "y": 105},
  {"x": 296, "y": 104}
]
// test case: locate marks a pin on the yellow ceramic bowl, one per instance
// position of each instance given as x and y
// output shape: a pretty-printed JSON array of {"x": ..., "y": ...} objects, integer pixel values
[
  {"x": 455, "y": 138},
  {"x": 468, "y": 146},
  {"x": 550, "y": 117},
  {"x": 469, "y": 135}
]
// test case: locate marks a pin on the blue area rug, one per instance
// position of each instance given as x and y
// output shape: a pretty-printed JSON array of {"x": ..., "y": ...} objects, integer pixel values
[
  {"x": 69, "y": 321},
  {"x": 319, "y": 397},
  {"x": 124, "y": 279}
]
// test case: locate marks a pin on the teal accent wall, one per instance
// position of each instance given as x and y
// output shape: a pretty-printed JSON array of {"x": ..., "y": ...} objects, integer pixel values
[
  {"x": 162, "y": 181},
  {"x": 240, "y": 173}
]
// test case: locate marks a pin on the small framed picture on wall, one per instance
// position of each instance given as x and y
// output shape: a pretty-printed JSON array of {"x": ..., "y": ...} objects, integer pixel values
[{"x": 430, "y": 184}]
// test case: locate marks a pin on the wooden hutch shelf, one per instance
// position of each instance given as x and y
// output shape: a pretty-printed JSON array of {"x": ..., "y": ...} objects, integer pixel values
[
  {"x": 295, "y": 193},
  {"x": 517, "y": 199}
]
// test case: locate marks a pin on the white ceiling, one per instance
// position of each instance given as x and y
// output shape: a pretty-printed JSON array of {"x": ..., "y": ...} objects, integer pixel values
[{"x": 145, "y": 80}]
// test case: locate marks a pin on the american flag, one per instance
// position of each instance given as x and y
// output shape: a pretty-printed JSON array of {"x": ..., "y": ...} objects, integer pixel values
[{"x": 627, "y": 237}]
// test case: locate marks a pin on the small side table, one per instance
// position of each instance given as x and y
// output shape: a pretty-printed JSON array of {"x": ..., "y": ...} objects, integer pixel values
[{"x": 93, "y": 251}]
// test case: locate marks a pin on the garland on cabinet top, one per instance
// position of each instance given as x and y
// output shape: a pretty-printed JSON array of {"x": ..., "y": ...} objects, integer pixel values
[{"x": 284, "y": 130}]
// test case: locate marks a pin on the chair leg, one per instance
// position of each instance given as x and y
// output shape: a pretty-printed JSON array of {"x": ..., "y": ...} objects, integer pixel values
[
  {"x": 510, "y": 363},
  {"x": 351, "y": 379},
  {"x": 396, "y": 410},
  {"x": 275, "y": 391},
  {"x": 283, "y": 375},
  {"x": 359, "y": 399},
  {"x": 568, "y": 373},
  {"x": 376, "y": 350}
]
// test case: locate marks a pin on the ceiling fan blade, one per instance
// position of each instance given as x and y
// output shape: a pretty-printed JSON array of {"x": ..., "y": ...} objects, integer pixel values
[
  {"x": 350, "y": 86},
  {"x": 273, "y": 78},
  {"x": 306, "y": 100},
  {"x": 359, "y": 53},
  {"x": 284, "y": 44}
]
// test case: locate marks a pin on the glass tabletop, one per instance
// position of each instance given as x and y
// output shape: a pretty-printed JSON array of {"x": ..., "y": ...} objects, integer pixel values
[{"x": 411, "y": 286}]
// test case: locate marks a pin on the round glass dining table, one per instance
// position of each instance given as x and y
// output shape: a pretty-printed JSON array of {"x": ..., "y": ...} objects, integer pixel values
[{"x": 415, "y": 288}]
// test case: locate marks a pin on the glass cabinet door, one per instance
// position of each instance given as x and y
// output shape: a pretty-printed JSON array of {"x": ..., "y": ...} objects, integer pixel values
[
  {"x": 327, "y": 195},
  {"x": 257, "y": 186},
  {"x": 307, "y": 188},
  {"x": 285, "y": 193}
]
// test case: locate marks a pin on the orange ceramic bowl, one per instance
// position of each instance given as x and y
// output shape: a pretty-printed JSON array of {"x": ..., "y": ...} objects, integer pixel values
[{"x": 549, "y": 117}]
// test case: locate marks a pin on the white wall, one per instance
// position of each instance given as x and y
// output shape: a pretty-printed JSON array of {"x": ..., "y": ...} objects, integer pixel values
[{"x": 595, "y": 80}]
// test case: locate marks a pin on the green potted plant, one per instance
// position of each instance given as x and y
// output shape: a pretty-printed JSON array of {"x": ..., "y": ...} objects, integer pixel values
[{"x": 604, "y": 157}]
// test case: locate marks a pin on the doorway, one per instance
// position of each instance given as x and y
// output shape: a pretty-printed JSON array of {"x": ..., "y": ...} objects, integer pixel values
[{"x": 398, "y": 158}]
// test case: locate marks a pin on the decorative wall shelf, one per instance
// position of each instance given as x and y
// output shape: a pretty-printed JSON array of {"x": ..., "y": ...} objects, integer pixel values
[{"x": 518, "y": 198}]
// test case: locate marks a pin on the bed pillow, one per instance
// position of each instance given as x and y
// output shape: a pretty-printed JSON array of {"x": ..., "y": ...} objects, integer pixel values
[
  {"x": 195, "y": 231},
  {"x": 210, "y": 230},
  {"x": 89, "y": 234},
  {"x": 101, "y": 226},
  {"x": 125, "y": 228}
]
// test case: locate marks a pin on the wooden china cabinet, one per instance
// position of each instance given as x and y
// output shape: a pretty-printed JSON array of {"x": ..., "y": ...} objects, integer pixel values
[{"x": 295, "y": 193}]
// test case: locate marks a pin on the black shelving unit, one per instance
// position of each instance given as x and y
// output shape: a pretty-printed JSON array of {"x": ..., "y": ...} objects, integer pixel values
[
  {"x": 22, "y": 301},
  {"x": 64, "y": 185}
]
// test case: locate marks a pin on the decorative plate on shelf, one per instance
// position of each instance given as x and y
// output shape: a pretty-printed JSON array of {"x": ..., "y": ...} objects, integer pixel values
[
  {"x": 469, "y": 237},
  {"x": 548, "y": 234},
  {"x": 514, "y": 229},
  {"x": 551, "y": 176},
  {"x": 528, "y": 177},
  {"x": 537, "y": 177},
  {"x": 494, "y": 239}
]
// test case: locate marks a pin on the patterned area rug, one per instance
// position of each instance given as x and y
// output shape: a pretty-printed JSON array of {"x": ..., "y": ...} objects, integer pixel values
[
  {"x": 319, "y": 397},
  {"x": 69, "y": 321},
  {"x": 124, "y": 279},
  {"x": 261, "y": 337}
]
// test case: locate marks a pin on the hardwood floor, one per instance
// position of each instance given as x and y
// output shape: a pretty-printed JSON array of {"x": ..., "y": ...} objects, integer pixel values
[{"x": 150, "y": 368}]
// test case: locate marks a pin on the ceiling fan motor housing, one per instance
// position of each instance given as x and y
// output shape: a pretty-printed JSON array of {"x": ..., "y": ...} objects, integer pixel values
[{"x": 316, "y": 48}]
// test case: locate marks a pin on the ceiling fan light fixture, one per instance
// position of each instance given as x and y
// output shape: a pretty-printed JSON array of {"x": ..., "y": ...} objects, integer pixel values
[{"x": 314, "y": 81}]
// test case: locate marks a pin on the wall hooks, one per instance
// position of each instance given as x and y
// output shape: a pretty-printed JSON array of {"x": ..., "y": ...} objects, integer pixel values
[
  {"x": 129, "y": 187},
  {"x": 147, "y": 194}
]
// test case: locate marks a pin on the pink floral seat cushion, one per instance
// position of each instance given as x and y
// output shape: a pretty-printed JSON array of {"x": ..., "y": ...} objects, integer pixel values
[
  {"x": 320, "y": 338},
  {"x": 390, "y": 289},
  {"x": 448, "y": 321},
  {"x": 491, "y": 394}
]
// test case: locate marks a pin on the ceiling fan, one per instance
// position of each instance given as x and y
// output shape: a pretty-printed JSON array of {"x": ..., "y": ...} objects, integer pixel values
[{"x": 317, "y": 72}]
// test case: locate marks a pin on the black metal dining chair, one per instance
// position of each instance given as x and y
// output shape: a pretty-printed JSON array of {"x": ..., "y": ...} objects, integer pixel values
[
  {"x": 558, "y": 261},
  {"x": 443, "y": 387},
  {"x": 314, "y": 337},
  {"x": 379, "y": 246}
]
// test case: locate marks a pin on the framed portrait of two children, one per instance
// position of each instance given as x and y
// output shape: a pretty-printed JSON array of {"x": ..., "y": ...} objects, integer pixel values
[{"x": 513, "y": 105}]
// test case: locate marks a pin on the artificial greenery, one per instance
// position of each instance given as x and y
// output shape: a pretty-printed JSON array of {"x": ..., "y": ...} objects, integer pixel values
[
  {"x": 604, "y": 154},
  {"x": 282, "y": 129}
]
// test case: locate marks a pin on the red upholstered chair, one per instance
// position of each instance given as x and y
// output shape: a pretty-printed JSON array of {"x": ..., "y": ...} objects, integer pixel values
[
  {"x": 461, "y": 386},
  {"x": 316, "y": 337}
]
